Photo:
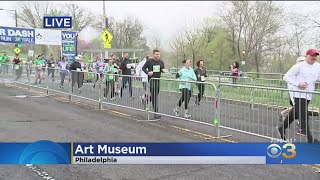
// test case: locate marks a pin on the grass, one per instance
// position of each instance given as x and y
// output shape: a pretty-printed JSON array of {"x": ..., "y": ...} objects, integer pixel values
[{"x": 246, "y": 94}]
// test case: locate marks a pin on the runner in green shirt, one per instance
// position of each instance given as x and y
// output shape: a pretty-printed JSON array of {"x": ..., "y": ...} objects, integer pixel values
[
  {"x": 4, "y": 63},
  {"x": 110, "y": 79}
]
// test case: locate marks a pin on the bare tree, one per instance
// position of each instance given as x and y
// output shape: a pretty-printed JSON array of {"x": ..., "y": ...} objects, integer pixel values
[
  {"x": 155, "y": 40},
  {"x": 179, "y": 47},
  {"x": 81, "y": 18},
  {"x": 194, "y": 41}
]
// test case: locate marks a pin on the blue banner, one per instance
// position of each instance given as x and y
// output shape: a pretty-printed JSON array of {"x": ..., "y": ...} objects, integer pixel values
[
  {"x": 69, "y": 45},
  {"x": 17, "y": 35},
  {"x": 47, "y": 152}
]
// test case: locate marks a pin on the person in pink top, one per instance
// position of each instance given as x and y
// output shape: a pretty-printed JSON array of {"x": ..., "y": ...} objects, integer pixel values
[{"x": 235, "y": 69}]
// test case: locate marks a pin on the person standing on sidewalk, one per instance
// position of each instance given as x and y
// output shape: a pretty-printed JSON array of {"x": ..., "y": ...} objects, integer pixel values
[
  {"x": 201, "y": 74},
  {"x": 51, "y": 63},
  {"x": 185, "y": 74},
  {"x": 302, "y": 76},
  {"x": 17, "y": 66},
  {"x": 153, "y": 68}
]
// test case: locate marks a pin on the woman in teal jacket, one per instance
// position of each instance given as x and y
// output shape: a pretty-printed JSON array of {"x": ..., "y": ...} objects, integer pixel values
[{"x": 185, "y": 74}]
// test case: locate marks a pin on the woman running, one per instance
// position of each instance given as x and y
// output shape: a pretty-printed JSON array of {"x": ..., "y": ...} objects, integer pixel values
[
  {"x": 186, "y": 74},
  {"x": 201, "y": 74}
]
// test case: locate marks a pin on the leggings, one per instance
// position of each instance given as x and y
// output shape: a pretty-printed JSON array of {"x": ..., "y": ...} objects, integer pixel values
[{"x": 185, "y": 97}]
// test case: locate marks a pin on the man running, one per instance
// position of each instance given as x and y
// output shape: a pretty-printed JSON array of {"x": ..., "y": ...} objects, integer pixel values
[
  {"x": 117, "y": 79},
  {"x": 154, "y": 67},
  {"x": 285, "y": 112},
  {"x": 76, "y": 74},
  {"x": 302, "y": 76},
  {"x": 126, "y": 67},
  {"x": 51, "y": 63},
  {"x": 100, "y": 65},
  {"x": 144, "y": 77}
]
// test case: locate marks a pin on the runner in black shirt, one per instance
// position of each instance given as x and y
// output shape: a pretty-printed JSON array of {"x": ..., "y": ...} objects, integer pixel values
[
  {"x": 17, "y": 66},
  {"x": 126, "y": 67},
  {"x": 154, "y": 67}
]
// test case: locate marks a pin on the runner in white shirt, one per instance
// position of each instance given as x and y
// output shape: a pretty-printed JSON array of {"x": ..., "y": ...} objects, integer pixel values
[
  {"x": 285, "y": 112},
  {"x": 144, "y": 77},
  {"x": 302, "y": 76}
]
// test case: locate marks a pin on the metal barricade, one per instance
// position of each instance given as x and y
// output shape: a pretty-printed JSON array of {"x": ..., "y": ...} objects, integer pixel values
[
  {"x": 263, "y": 121},
  {"x": 181, "y": 101}
]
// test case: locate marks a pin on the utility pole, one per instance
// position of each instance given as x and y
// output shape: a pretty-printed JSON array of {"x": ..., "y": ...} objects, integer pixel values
[{"x": 104, "y": 15}]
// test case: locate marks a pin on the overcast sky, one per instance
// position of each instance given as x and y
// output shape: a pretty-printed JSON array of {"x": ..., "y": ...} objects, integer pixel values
[{"x": 165, "y": 18}]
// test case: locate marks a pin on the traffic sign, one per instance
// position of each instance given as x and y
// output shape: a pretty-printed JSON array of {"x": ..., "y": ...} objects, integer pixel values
[
  {"x": 107, "y": 38},
  {"x": 17, "y": 50}
]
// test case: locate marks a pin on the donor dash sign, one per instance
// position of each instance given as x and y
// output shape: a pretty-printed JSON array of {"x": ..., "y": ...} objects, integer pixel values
[
  {"x": 17, "y": 35},
  {"x": 57, "y": 22}
]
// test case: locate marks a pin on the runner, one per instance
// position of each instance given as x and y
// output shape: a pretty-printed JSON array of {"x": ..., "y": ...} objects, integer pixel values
[
  {"x": 285, "y": 112},
  {"x": 29, "y": 66},
  {"x": 126, "y": 67},
  {"x": 4, "y": 60},
  {"x": 17, "y": 66},
  {"x": 100, "y": 65},
  {"x": 144, "y": 79},
  {"x": 76, "y": 73},
  {"x": 116, "y": 63},
  {"x": 302, "y": 76},
  {"x": 185, "y": 74},
  {"x": 64, "y": 66},
  {"x": 51, "y": 67},
  {"x": 154, "y": 67},
  {"x": 110, "y": 78},
  {"x": 39, "y": 66},
  {"x": 201, "y": 74}
]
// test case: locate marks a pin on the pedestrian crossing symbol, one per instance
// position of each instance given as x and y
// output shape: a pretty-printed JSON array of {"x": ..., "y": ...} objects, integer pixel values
[
  {"x": 17, "y": 50},
  {"x": 107, "y": 39}
]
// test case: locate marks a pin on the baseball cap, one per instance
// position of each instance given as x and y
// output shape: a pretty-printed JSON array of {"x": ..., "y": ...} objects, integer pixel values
[
  {"x": 312, "y": 52},
  {"x": 300, "y": 59}
]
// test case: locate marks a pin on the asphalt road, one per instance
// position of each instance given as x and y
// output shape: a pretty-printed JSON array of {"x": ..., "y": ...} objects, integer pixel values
[{"x": 49, "y": 118}]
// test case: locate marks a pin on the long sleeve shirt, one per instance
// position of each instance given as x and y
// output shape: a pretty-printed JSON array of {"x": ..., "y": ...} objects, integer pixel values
[
  {"x": 139, "y": 71},
  {"x": 300, "y": 73},
  {"x": 186, "y": 74}
]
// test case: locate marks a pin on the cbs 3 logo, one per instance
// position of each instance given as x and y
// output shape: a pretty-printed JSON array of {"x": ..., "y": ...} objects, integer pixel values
[{"x": 288, "y": 151}]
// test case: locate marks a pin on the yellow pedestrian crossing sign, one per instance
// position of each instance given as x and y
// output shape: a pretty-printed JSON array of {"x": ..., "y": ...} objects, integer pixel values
[
  {"x": 107, "y": 39},
  {"x": 17, "y": 50}
]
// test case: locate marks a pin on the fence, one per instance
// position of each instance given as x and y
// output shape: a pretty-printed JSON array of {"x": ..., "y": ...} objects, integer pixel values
[
  {"x": 260, "y": 116},
  {"x": 237, "y": 108}
]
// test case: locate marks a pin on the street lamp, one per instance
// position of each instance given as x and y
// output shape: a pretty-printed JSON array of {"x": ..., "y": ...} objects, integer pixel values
[
  {"x": 212, "y": 55},
  {"x": 243, "y": 59},
  {"x": 15, "y": 13}
]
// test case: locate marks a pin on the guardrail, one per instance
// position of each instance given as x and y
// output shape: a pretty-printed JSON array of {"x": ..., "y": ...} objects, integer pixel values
[{"x": 243, "y": 108}]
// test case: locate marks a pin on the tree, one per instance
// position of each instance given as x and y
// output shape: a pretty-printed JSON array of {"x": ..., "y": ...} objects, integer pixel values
[
  {"x": 127, "y": 33},
  {"x": 194, "y": 41},
  {"x": 179, "y": 49},
  {"x": 254, "y": 23},
  {"x": 81, "y": 18},
  {"x": 155, "y": 41}
]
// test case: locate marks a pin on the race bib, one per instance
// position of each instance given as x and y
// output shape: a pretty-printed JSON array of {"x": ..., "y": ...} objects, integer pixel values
[
  {"x": 101, "y": 69},
  {"x": 78, "y": 69},
  {"x": 52, "y": 65},
  {"x": 156, "y": 68},
  {"x": 16, "y": 67},
  {"x": 202, "y": 78}
]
